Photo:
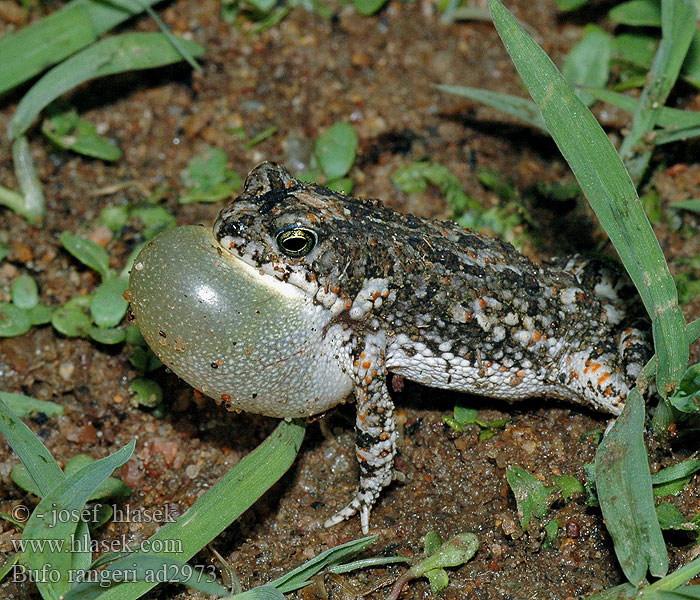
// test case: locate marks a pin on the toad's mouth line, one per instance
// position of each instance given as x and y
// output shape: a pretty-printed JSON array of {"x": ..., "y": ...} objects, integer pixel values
[{"x": 269, "y": 281}]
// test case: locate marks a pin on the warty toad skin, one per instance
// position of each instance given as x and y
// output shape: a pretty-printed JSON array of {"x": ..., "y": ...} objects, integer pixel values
[{"x": 434, "y": 303}]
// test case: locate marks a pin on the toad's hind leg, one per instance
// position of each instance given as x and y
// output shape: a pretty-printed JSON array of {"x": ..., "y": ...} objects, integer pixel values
[
  {"x": 375, "y": 430},
  {"x": 608, "y": 370}
]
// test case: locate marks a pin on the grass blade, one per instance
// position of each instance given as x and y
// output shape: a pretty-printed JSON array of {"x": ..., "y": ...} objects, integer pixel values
[
  {"x": 33, "y": 203},
  {"x": 29, "y": 51},
  {"x": 300, "y": 576},
  {"x": 666, "y": 137},
  {"x": 55, "y": 525},
  {"x": 515, "y": 106},
  {"x": 23, "y": 406},
  {"x": 678, "y": 578},
  {"x": 668, "y": 118},
  {"x": 609, "y": 190},
  {"x": 125, "y": 52},
  {"x": 55, "y": 37},
  {"x": 588, "y": 62},
  {"x": 224, "y": 503},
  {"x": 42, "y": 467},
  {"x": 626, "y": 500},
  {"x": 678, "y": 24}
]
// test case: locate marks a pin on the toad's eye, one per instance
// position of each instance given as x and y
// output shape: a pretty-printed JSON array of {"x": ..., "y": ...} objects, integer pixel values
[{"x": 295, "y": 240}]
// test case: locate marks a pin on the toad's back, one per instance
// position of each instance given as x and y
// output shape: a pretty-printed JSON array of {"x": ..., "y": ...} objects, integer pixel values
[{"x": 458, "y": 310}]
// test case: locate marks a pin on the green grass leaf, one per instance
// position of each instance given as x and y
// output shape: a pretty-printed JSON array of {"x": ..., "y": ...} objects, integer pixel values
[
  {"x": 24, "y": 292},
  {"x": 32, "y": 49},
  {"x": 336, "y": 149},
  {"x": 69, "y": 132},
  {"x": 147, "y": 392},
  {"x": 678, "y": 24},
  {"x": 39, "y": 314},
  {"x": 568, "y": 5},
  {"x": 680, "y": 470},
  {"x": 108, "y": 336},
  {"x": 669, "y": 118},
  {"x": 71, "y": 321},
  {"x": 42, "y": 467},
  {"x": 108, "y": 306},
  {"x": 515, "y": 106},
  {"x": 569, "y": 486},
  {"x": 124, "y": 52},
  {"x": 637, "y": 13},
  {"x": 13, "y": 321},
  {"x": 56, "y": 518},
  {"x": 686, "y": 398},
  {"x": 671, "y": 518},
  {"x": 87, "y": 252},
  {"x": 531, "y": 495},
  {"x": 692, "y": 204},
  {"x": 624, "y": 489},
  {"x": 635, "y": 49},
  {"x": 25, "y": 406},
  {"x": 368, "y": 7},
  {"x": 302, "y": 575},
  {"x": 608, "y": 188},
  {"x": 155, "y": 219},
  {"x": 588, "y": 62},
  {"x": 32, "y": 204},
  {"x": 224, "y": 503}
]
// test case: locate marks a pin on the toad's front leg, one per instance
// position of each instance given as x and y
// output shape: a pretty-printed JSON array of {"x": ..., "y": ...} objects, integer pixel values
[{"x": 375, "y": 429}]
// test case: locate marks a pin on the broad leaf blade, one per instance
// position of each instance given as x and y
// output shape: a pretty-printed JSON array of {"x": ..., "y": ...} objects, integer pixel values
[{"x": 623, "y": 481}]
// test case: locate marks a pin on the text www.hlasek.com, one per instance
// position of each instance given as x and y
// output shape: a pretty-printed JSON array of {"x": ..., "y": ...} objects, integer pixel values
[{"x": 120, "y": 544}]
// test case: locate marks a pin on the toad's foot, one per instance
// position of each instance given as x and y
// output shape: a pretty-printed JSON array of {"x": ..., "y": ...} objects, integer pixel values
[{"x": 375, "y": 430}]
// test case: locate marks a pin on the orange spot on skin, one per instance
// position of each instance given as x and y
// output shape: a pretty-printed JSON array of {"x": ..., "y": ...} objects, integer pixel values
[
  {"x": 603, "y": 378},
  {"x": 362, "y": 354},
  {"x": 482, "y": 303},
  {"x": 361, "y": 417},
  {"x": 384, "y": 436},
  {"x": 595, "y": 367},
  {"x": 356, "y": 363},
  {"x": 503, "y": 369},
  {"x": 573, "y": 374},
  {"x": 366, "y": 365},
  {"x": 335, "y": 289},
  {"x": 607, "y": 392},
  {"x": 368, "y": 379},
  {"x": 348, "y": 305},
  {"x": 536, "y": 335},
  {"x": 226, "y": 397},
  {"x": 521, "y": 374},
  {"x": 374, "y": 373}
]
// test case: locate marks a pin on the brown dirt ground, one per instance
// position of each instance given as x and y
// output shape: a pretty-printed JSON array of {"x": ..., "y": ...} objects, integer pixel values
[{"x": 302, "y": 76}]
